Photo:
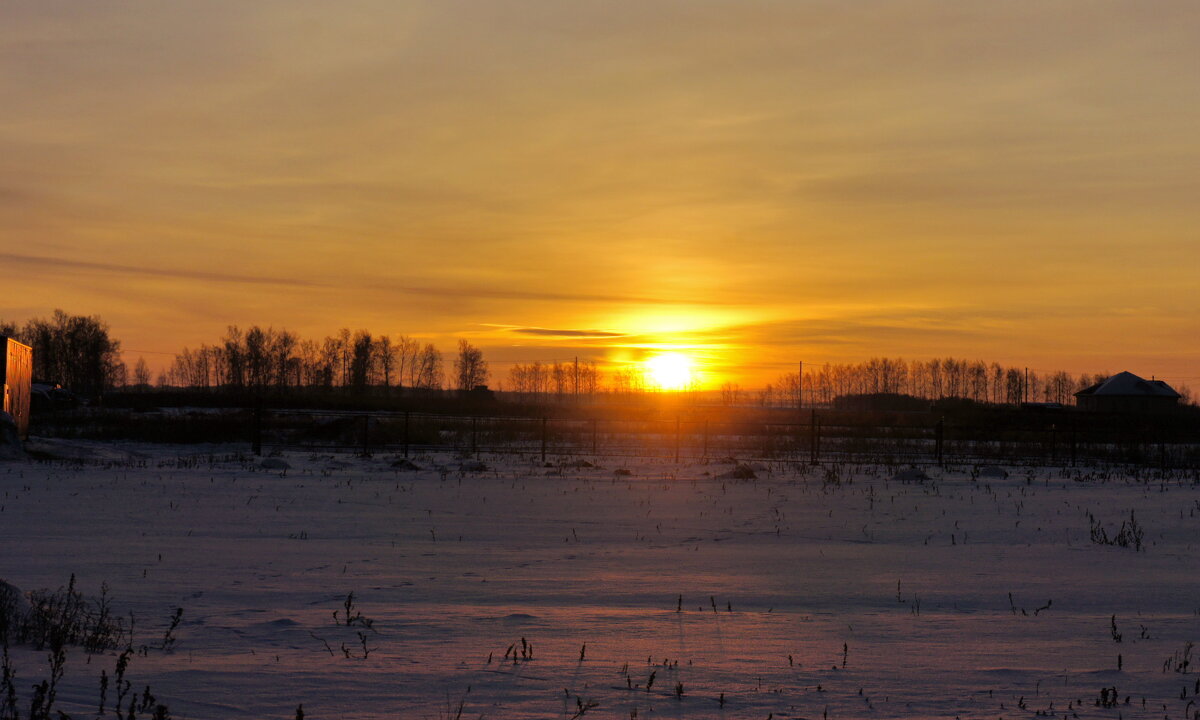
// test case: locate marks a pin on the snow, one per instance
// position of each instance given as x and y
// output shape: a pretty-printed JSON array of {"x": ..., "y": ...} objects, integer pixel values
[{"x": 891, "y": 598}]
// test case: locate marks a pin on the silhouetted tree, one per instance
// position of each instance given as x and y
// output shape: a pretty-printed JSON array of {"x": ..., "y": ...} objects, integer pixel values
[
  {"x": 408, "y": 352},
  {"x": 429, "y": 373},
  {"x": 385, "y": 360},
  {"x": 730, "y": 394},
  {"x": 141, "y": 374},
  {"x": 362, "y": 355},
  {"x": 74, "y": 351},
  {"x": 234, "y": 356},
  {"x": 789, "y": 389},
  {"x": 470, "y": 369}
]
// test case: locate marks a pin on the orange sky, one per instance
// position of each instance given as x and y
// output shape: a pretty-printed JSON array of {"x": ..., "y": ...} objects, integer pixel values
[{"x": 766, "y": 181}]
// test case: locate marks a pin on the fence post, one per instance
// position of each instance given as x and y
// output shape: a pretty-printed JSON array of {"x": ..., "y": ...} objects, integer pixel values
[
  {"x": 706, "y": 439},
  {"x": 814, "y": 433},
  {"x": 405, "y": 433},
  {"x": 366, "y": 436},
  {"x": 474, "y": 438},
  {"x": 594, "y": 423},
  {"x": 939, "y": 435},
  {"x": 1073, "y": 440},
  {"x": 676, "y": 438},
  {"x": 256, "y": 430},
  {"x": 543, "y": 440}
]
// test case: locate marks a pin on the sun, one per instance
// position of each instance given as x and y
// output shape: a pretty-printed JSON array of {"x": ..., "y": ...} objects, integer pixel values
[{"x": 670, "y": 371}]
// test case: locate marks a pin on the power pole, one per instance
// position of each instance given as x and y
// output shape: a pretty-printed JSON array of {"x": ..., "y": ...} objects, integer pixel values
[{"x": 800, "y": 388}]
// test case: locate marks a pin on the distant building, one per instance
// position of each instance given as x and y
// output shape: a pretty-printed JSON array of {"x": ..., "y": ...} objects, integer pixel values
[
  {"x": 16, "y": 372},
  {"x": 1126, "y": 392}
]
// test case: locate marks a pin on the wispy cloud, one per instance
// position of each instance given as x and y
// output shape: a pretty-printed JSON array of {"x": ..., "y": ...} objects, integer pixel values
[
  {"x": 50, "y": 264},
  {"x": 448, "y": 289},
  {"x": 552, "y": 333},
  {"x": 425, "y": 166}
]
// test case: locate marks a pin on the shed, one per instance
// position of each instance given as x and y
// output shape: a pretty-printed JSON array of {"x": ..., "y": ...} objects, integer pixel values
[
  {"x": 1126, "y": 392},
  {"x": 16, "y": 373}
]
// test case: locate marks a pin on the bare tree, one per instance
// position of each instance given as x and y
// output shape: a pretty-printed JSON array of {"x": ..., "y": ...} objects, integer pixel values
[
  {"x": 385, "y": 360},
  {"x": 141, "y": 374},
  {"x": 789, "y": 389},
  {"x": 560, "y": 377},
  {"x": 73, "y": 350},
  {"x": 730, "y": 394},
  {"x": 470, "y": 368},
  {"x": 361, "y": 356},
  {"x": 429, "y": 372}
]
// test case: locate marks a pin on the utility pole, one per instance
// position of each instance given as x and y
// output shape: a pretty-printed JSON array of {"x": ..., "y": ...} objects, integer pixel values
[{"x": 800, "y": 388}]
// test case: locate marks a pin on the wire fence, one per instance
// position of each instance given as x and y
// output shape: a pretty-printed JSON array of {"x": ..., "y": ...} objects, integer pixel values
[{"x": 813, "y": 440}]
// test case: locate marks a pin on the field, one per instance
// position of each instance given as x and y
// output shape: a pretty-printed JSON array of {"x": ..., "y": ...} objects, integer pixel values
[{"x": 632, "y": 588}]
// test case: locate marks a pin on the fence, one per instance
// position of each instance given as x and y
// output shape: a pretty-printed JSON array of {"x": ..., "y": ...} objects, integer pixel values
[{"x": 813, "y": 439}]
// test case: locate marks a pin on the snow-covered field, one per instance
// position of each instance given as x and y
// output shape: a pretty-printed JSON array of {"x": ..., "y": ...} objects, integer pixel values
[{"x": 526, "y": 591}]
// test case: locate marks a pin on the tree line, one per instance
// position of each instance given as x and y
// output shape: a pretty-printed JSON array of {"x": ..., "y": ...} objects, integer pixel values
[
  {"x": 934, "y": 379},
  {"x": 78, "y": 353},
  {"x": 74, "y": 351},
  {"x": 261, "y": 360},
  {"x": 558, "y": 380}
]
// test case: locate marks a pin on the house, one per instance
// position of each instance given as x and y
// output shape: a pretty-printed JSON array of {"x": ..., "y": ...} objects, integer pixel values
[
  {"x": 1126, "y": 392},
  {"x": 16, "y": 372}
]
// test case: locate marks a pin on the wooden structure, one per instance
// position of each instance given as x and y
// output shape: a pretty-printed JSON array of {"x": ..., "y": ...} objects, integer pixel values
[
  {"x": 1126, "y": 392},
  {"x": 16, "y": 372}
]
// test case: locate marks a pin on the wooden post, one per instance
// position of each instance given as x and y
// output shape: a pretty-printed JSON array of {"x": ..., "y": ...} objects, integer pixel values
[
  {"x": 706, "y": 438},
  {"x": 817, "y": 456},
  {"x": 366, "y": 436},
  {"x": 814, "y": 438},
  {"x": 543, "y": 440},
  {"x": 474, "y": 437},
  {"x": 1073, "y": 441},
  {"x": 595, "y": 422},
  {"x": 939, "y": 436},
  {"x": 800, "y": 387},
  {"x": 405, "y": 433},
  {"x": 256, "y": 430},
  {"x": 676, "y": 438}
]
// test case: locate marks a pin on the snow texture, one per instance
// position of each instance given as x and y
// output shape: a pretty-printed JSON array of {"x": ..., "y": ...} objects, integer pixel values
[{"x": 523, "y": 591}]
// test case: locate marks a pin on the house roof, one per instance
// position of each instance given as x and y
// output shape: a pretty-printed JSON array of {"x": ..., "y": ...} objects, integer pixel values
[{"x": 1126, "y": 384}]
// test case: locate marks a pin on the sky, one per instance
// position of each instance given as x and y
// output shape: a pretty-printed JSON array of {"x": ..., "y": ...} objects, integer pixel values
[{"x": 754, "y": 183}]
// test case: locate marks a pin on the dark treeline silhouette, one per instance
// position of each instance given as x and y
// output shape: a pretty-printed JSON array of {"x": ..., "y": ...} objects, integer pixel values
[
  {"x": 74, "y": 351},
  {"x": 77, "y": 352},
  {"x": 264, "y": 360},
  {"x": 558, "y": 380},
  {"x": 268, "y": 359},
  {"x": 936, "y": 379}
]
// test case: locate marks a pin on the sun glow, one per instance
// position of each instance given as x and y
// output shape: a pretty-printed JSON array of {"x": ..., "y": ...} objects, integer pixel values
[{"x": 670, "y": 371}]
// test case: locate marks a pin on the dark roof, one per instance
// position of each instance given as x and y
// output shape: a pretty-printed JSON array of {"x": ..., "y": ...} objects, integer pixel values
[{"x": 1126, "y": 384}]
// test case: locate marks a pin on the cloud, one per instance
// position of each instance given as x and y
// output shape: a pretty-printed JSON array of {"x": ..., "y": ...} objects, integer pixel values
[
  {"x": 49, "y": 264},
  {"x": 428, "y": 165},
  {"x": 549, "y": 332},
  {"x": 887, "y": 329},
  {"x": 449, "y": 289}
]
